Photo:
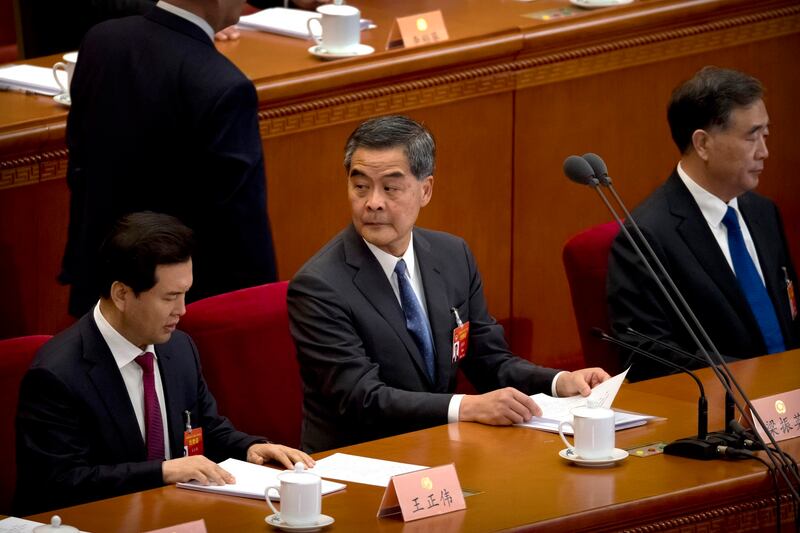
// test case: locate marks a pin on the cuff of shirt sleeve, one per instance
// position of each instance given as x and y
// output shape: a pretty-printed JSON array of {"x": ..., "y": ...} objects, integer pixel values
[
  {"x": 553, "y": 388},
  {"x": 454, "y": 408}
]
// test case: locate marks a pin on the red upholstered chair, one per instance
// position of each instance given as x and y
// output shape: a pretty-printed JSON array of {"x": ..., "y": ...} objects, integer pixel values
[
  {"x": 249, "y": 361},
  {"x": 15, "y": 358},
  {"x": 586, "y": 263}
]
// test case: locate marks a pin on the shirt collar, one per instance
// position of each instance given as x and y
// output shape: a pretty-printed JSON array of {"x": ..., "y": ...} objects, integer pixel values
[
  {"x": 123, "y": 350},
  {"x": 712, "y": 207},
  {"x": 388, "y": 261},
  {"x": 188, "y": 15}
]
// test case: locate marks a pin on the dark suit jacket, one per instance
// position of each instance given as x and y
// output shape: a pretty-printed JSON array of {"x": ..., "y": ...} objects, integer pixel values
[
  {"x": 54, "y": 26},
  {"x": 363, "y": 376},
  {"x": 77, "y": 435},
  {"x": 161, "y": 121},
  {"x": 677, "y": 231}
]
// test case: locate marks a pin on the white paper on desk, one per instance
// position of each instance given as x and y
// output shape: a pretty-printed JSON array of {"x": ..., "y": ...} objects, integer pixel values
[
  {"x": 359, "y": 469},
  {"x": 30, "y": 78},
  {"x": 251, "y": 481},
  {"x": 284, "y": 21},
  {"x": 555, "y": 410},
  {"x": 12, "y": 524}
]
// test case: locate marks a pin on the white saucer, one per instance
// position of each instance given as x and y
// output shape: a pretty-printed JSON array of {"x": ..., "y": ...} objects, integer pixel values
[
  {"x": 63, "y": 99},
  {"x": 355, "y": 51},
  {"x": 275, "y": 521},
  {"x": 616, "y": 455},
  {"x": 594, "y": 4}
]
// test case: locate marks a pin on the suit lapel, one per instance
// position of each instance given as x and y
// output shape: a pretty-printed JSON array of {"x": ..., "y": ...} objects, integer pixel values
[
  {"x": 695, "y": 233},
  {"x": 439, "y": 314},
  {"x": 371, "y": 281},
  {"x": 104, "y": 374},
  {"x": 170, "y": 372}
]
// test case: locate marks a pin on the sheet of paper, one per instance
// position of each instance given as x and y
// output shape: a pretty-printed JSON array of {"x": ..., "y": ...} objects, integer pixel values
[
  {"x": 28, "y": 77},
  {"x": 359, "y": 469},
  {"x": 554, "y": 410},
  {"x": 12, "y": 524},
  {"x": 288, "y": 22},
  {"x": 251, "y": 481}
]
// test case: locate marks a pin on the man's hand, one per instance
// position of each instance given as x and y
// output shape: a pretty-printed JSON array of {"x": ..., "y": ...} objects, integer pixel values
[
  {"x": 262, "y": 453},
  {"x": 580, "y": 381},
  {"x": 231, "y": 33},
  {"x": 501, "y": 407},
  {"x": 194, "y": 468}
]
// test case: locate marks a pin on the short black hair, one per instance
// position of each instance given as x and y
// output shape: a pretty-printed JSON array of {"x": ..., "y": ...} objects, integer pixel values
[
  {"x": 137, "y": 244},
  {"x": 395, "y": 131},
  {"x": 706, "y": 101}
]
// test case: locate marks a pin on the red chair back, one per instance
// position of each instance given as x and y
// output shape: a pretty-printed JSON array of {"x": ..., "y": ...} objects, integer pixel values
[
  {"x": 16, "y": 356},
  {"x": 249, "y": 360},
  {"x": 586, "y": 263}
]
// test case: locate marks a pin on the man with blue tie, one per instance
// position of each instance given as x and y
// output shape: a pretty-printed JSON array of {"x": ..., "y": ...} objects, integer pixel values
[
  {"x": 723, "y": 244},
  {"x": 385, "y": 314},
  {"x": 103, "y": 408}
]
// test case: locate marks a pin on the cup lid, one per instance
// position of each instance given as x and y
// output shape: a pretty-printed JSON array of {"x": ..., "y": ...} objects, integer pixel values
[
  {"x": 299, "y": 475},
  {"x": 589, "y": 411}
]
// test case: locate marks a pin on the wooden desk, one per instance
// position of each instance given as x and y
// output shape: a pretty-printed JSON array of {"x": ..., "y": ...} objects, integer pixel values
[
  {"x": 509, "y": 97},
  {"x": 521, "y": 482}
]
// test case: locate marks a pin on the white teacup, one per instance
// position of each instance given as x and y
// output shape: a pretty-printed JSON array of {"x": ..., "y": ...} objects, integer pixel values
[
  {"x": 593, "y": 428},
  {"x": 301, "y": 497},
  {"x": 68, "y": 66},
  {"x": 339, "y": 27}
]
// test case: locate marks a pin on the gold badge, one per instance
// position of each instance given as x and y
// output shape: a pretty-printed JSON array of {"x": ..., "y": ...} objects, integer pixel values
[
  {"x": 426, "y": 483},
  {"x": 780, "y": 407}
]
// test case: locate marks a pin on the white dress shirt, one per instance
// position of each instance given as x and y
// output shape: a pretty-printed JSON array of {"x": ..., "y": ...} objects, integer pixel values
[
  {"x": 714, "y": 210},
  {"x": 188, "y": 15},
  {"x": 388, "y": 262},
  {"x": 125, "y": 353}
]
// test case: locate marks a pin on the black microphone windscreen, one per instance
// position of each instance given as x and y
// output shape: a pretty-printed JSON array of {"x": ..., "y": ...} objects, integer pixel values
[
  {"x": 599, "y": 167},
  {"x": 578, "y": 170}
]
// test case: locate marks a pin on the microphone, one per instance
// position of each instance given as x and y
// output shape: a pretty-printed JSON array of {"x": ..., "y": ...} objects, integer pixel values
[
  {"x": 578, "y": 170},
  {"x": 705, "y": 445},
  {"x": 729, "y": 406},
  {"x": 719, "y": 366}
]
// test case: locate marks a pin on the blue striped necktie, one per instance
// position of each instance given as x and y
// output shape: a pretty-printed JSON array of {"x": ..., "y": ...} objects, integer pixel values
[
  {"x": 753, "y": 288},
  {"x": 416, "y": 322}
]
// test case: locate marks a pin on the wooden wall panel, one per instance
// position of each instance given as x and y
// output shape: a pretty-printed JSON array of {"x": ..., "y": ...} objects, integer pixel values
[{"x": 620, "y": 115}]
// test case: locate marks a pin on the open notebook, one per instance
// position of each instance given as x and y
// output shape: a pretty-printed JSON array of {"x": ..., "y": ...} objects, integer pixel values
[{"x": 251, "y": 481}]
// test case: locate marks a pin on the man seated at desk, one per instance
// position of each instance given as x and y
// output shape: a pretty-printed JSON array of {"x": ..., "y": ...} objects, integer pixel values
[
  {"x": 103, "y": 408},
  {"x": 374, "y": 312},
  {"x": 723, "y": 244}
]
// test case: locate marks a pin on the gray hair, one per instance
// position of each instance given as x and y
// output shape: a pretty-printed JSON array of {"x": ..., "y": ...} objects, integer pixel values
[{"x": 395, "y": 131}]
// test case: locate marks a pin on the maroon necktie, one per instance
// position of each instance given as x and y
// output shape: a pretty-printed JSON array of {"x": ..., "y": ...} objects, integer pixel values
[{"x": 154, "y": 427}]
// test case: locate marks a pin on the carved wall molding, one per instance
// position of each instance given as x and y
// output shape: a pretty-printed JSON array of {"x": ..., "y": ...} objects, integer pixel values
[
  {"x": 756, "y": 515},
  {"x": 33, "y": 169}
]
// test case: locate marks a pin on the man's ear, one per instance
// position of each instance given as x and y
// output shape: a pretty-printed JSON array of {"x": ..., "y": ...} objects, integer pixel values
[
  {"x": 120, "y": 295},
  {"x": 427, "y": 190},
  {"x": 701, "y": 142}
]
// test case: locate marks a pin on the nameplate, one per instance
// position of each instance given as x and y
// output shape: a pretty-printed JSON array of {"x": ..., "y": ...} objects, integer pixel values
[
  {"x": 423, "y": 493},
  {"x": 198, "y": 526},
  {"x": 781, "y": 415},
  {"x": 417, "y": 30}
]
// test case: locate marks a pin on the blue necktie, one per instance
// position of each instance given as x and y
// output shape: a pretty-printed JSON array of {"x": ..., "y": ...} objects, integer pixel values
[
  {"x": 752, "y": 286},
  {"x": 416, "y": 322}
]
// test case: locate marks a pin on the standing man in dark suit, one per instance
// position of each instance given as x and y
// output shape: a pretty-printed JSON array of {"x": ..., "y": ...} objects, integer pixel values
[
  {"x": 102, "y": 410},
  {"x": 723, "y": 244},
  {"x": 374, "y": 313},
  {"x": 161, "y": 121}
]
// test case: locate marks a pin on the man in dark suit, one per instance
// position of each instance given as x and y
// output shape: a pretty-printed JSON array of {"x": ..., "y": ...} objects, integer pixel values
[
  {"x": 49, "y": 27},
  {"x": 375, "y": 311},
  {"x": 161, "y": 121},
  {"x": 723, "y": 245},
  {"x": 102, "y": 410}
]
